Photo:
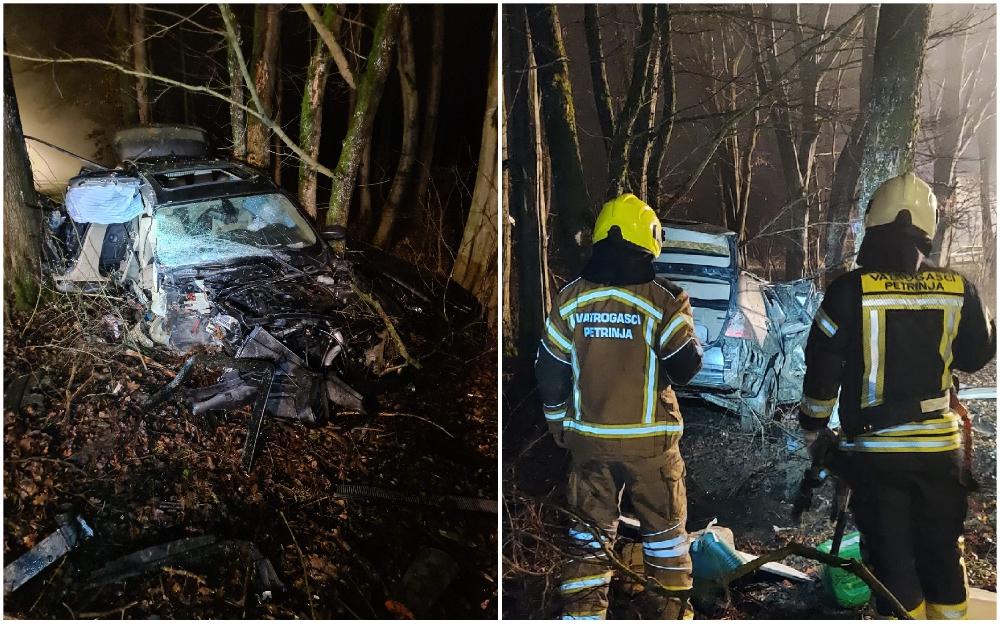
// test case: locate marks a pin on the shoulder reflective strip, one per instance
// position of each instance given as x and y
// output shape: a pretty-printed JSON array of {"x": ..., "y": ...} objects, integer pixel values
[
  {"x": 649, "y": 401},
  {"x": 660, "y": 532},
  {"x": 561, "y": 341},
  {"x": 553, "y": 354},
  {"x": 664, "y": 553},
  {"x": 684, "y": 568},
  {"x": 618, "y": 294},
  {"x": 570, "y": 284},
  {"x": 612, "y": 431},
  {"x": 577, "y": 412},
  {"x": 585, "y": 582},
  {"x": 666, "y": 543},
  {"x": 909, "y": 302},
  {"x": 825, "y": 323},
  {"x": 679, "y": 320},
  {"x": 677, "y": 350}
]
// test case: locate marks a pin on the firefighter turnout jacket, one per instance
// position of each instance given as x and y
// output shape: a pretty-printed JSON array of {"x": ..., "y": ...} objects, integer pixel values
[
  {"x": 888, "y": 342},
  {"x": 606, "y": 361}
]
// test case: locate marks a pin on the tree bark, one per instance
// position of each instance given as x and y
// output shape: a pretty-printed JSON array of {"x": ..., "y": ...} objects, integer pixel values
[
  {"x": 523, "y": 143},
  {"x": 891, "y": 117},
  {"x": 661, "y": 132},
  {"x": 987, "y": 167},
  {"x": 267, "y": 35},
  {"x": 641, "y": 146},
  {"x": 329, "y": 37},
  {"x": 475, "y": 264},
  {"x": 572, "y": 204},
  {"x": 407, "y": 69},
  {"x": 123, "y": 51},
  {"x": 21, "y": 245},
  {"x": 599, "y": 74},
  {"x": 428, "y": 133},
  {"x": 618, "y": 181},
  {"x": 848, "y": 167},
  {"x": 237, "y": 116},
  {"x": 359, "y": 130},
  {"x": 311, "y": 113},
  {"x": 141, "y": 63}
]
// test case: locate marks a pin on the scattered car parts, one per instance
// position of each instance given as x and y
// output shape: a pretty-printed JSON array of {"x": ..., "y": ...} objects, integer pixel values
[{"x": 71, "y": 532}]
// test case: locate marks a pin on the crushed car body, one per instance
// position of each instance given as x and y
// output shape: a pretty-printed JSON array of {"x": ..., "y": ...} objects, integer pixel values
[
  {"x": 753, "y": 332},
  {"x": 217, "y": 261}
]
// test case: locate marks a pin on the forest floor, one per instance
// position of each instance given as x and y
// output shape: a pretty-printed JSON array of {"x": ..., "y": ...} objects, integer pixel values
[
  {"x": 77, "y": 439},
  {"x": 747, "y": 481}
]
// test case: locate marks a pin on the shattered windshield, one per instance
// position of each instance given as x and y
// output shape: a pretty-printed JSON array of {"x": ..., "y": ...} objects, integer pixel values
[{"x": 217, "y": 230}]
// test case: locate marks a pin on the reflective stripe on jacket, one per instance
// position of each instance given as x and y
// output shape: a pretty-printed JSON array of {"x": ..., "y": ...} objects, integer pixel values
[
  {"x": 888, "y": 342},
  {"x": 606, "y": 361}
]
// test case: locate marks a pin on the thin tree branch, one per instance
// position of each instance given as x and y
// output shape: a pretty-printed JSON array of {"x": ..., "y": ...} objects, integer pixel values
[{"x": 331, "y": 42}]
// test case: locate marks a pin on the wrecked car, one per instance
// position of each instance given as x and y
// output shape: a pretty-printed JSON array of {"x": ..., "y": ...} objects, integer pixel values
[
  {"x": 753, "y": 332},
  {"x": 219, "y": 263}
]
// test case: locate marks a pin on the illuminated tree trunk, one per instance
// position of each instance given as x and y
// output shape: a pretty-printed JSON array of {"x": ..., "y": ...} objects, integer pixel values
[
  {"x": 311, "y": 113},
  {"x": 663, "y": 128},
  {"x": 21, "y": 245},
  {"x": 525, "y": 206},
  {"x": 407, "y": 69},
  {"x": 237, "y": 116},
  {"x": 891, "y": 117},
  {"x": 848, "y": 167},
  {"x": 599, "y": 73},
  {"x": 267, "y": 35},
  {"x": 139, "y": 60},
  {"x": 572, "y": 207},
  {"x": 359, "y": 130},
  {"x": 475, "y": 265},
  {"x": 123, "y": 51}
]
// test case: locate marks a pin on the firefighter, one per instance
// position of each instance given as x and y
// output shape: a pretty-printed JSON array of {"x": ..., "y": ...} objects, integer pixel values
[
  {"x": 616, "y": 339},
  {"x": 886, "y": 339}
]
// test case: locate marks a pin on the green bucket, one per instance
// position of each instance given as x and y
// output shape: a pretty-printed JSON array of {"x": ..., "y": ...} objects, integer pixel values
[{"x": 847, "y": 589}]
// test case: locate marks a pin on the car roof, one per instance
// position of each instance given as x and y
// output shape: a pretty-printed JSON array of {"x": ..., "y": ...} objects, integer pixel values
[
  {"x": 697, "y": 226},
  {"x": 182, "y": 180}
]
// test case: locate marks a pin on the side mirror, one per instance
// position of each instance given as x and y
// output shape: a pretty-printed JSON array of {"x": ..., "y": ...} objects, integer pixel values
[{"x": 333, "y": 233}]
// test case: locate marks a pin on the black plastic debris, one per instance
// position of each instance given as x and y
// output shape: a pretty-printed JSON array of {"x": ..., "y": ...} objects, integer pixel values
[
  {"x": 192, "y": 552},
  {"x": 70, "y": 533}
]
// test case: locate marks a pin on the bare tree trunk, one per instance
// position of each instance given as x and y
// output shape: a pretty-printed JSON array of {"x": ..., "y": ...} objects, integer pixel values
[
  {"x": 476, "y": 261},
  {"x": 599, "y": 73},
  {"x": 123, "y": 51},
  {"x": 311, "y": 114},
  {"x": 661, "y": 132},
  {"x": 359, "y": 131},
  {"x": 407, "y": 70},
  {"x": 237, "y": 116},
  {"x": 987, "y": 167},
  {"x": 523, "y": 143},
  {"x": 572, "y": 203},
  {"x": 140, "y": 62},
  {"x": 624, "y": 130},
  {"x": 848, "y": 167},
  {"x": 428, "y": 133},
  {"x": 641, "y": 145},
  {"x": 21, "y": 266},
  {"x": 267, "y": 35},
  {"x": 892, "y": 113}
]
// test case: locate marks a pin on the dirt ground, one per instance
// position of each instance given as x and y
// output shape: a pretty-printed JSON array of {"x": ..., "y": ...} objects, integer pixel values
[
  {"x": 76, "y": 438},
  {"x": 747, "y": 481}
]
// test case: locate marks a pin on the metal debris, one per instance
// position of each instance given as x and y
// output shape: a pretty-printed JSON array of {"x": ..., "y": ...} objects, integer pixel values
[
  {"x": 192, "y": 551},
  {"x": 68, "y": 536}
]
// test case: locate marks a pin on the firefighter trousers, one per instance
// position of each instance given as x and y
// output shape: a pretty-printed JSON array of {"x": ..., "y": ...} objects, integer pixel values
[
  {"x": 655, "y": 488},
  {"x": 910, "y": 511}
]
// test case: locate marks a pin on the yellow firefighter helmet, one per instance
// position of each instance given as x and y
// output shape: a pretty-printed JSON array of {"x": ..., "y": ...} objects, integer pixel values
[
  {"x": 638, "y": 223},
  {"x": 904, "y": 192}
]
